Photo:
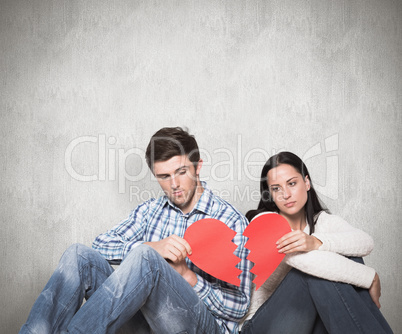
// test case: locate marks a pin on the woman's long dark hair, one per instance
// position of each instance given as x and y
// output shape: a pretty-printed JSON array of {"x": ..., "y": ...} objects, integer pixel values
[{"x": 313, "y": 205}]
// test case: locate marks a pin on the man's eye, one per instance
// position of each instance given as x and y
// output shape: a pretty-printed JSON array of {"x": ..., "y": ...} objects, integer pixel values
[{"x": 181, "y": 172}]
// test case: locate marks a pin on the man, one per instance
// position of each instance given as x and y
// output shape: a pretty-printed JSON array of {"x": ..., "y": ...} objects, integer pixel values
[{"x": 156, "y": 287}]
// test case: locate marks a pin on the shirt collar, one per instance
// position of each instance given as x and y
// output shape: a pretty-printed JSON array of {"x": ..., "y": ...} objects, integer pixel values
[{"x": 203, "y": 205}]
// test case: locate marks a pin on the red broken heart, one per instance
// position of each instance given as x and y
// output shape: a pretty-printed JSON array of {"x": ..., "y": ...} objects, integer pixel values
[{"x": 212, "y": 247}]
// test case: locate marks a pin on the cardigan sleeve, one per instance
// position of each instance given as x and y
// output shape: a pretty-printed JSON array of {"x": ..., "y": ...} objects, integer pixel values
[
  {"x": 332, "y": 267},
  {"x": 340, "y": 237}
]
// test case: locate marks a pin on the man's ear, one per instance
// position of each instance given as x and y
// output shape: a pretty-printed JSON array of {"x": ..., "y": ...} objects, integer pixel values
[{"x": 199, "y": 165}]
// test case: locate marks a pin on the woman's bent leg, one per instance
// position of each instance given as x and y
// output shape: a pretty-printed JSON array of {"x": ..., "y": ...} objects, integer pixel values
[
  {"x": 290, "y": 309},
  {"x": 343, "y": 310},
  {"x": 319, "y": 327},
  {"x": 375, "y": 311}
]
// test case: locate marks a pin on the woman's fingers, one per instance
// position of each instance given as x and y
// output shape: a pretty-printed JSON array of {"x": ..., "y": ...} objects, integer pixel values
[{"x": 295, "y": 241}]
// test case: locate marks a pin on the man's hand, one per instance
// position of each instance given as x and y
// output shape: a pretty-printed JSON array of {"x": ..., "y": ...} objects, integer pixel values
[
  {"x": 172, "y": 248},
  {"x": 297, "y": 241},
  {"x": 375, "y": 290},
  {"x": 182, "y": 268},
  {"x": 175, "y": 249}
]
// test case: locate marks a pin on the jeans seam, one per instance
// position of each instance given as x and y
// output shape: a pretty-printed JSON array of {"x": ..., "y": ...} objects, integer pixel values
[
  {"x": 189, "y": 309},
  {"x": 128, "y": 295},
  {"x": 164, "y": 278},
  {"x": 67, "y": 306},
  {"x": 348, "y": 308},
  {"x": 77, "y": 291},
  {"x": 30, "y": 330}
]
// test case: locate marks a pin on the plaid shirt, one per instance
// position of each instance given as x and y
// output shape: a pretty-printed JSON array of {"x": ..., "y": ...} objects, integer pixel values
[{"x": 157, "y": 219}]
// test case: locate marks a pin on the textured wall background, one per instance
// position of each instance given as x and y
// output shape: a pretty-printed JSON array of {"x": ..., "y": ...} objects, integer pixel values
[{"x": 84, "y": 84}]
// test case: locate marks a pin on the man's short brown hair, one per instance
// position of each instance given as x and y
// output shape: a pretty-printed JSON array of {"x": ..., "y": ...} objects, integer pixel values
[{"x": 169, "y": 142}]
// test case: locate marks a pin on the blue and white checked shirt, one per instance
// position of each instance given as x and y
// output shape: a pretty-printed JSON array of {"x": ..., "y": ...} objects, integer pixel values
[{"x": 157, "y": 219}]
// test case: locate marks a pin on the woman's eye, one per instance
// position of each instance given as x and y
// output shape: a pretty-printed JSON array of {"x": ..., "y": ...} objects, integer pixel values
[
  {"x": 292, "y": 184},
  {"x": 275, "y": 189}
]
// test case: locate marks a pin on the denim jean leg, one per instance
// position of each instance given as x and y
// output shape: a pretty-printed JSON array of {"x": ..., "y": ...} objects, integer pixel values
[
  {"x": 290, "y": 309},
  {"x": 342, "y": 309},
  {"x": 319, "y": 327},
  {"x": 144, "y": 281},
  {"x": 375, "y": 311},
  {"x": 174, "y": 307},
  {"x": 136, "y": 325},
  {"x": 80, "y": 271}
]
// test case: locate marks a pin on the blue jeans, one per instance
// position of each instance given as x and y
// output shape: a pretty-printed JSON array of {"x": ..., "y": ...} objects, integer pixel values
[
  {"x": 144, "y": 291},
  {"x": 307, "y": 304}
]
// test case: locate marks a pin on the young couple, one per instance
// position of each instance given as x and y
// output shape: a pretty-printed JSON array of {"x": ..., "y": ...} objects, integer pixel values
[{"x": 318, "y": 287}]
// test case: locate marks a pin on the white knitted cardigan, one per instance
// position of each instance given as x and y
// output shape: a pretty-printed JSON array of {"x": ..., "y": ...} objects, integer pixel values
[{"x": 339, "y": 239}]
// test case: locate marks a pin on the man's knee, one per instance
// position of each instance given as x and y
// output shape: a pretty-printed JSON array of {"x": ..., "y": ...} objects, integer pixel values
[
  {"x": 144, "y": 254},
  {"x": 76, "y": 249},
  {"x": 78, "y": 252}
]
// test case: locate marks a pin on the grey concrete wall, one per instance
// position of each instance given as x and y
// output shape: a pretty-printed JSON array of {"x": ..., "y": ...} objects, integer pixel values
[{"x": 84, "y": 84}]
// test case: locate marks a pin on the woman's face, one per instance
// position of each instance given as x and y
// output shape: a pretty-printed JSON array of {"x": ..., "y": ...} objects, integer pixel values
[{"x": 288, "y": 189}]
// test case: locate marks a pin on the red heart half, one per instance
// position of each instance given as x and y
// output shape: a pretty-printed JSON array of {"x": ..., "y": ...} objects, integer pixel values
[
  {"x": 212, "y": 249},
  {"x": 263, "y": 232}
]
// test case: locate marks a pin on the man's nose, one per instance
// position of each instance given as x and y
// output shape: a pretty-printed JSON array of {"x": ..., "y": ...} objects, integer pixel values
[{"x": 174, "y": 182}]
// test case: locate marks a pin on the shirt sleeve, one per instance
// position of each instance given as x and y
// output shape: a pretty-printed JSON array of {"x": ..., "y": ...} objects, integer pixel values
[
  {"x": 117, "y": 242},
  {"x": 227, "y": 301},
  {"x": 340, "y": 237}
]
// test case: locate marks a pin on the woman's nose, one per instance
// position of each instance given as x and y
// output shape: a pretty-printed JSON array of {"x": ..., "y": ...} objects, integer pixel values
[{"x": 286, "y": 194}]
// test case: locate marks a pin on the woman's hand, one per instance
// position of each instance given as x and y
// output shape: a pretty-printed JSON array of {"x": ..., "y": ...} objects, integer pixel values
[
  {"x": 375, "y": 290},
  {"x": 297, "y": 241}
]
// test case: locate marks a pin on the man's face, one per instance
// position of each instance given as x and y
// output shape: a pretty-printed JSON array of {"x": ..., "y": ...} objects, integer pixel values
[{"x": 178, "y": 178}]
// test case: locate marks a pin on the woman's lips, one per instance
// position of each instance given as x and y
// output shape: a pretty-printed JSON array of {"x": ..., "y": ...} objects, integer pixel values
[{"x": 290, "y": 204}]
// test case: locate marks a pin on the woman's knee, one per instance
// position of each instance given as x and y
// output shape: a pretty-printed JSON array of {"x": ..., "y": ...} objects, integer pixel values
[{"x": 356, "y": 259}]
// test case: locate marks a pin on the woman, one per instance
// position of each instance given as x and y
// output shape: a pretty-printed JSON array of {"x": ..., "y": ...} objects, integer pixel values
[{"x": 329, "y": 288}]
